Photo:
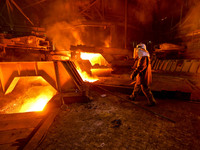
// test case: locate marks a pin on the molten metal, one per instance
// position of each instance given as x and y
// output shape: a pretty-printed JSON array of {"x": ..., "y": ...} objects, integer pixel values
[
  {"x": 38, "y": 103},
  {"x": 21, "y": 95},
  {"x": 86, "y": 77},
  {"x": 36, "y": 97},
  {"x": 30, "y": 94},
  {"x": 94, "y": 58}
]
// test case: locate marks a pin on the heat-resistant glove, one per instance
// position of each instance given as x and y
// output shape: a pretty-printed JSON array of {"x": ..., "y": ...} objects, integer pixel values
[{"x": 133, "y": 75}]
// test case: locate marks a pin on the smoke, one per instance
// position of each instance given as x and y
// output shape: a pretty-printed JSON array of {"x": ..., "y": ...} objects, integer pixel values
[
  {"x": 64, "y": 24},
  {"x": 191, "y": 22},
  {"x": 64, "y": 34},
  {"x": 142, "y": 11},
  {"x": 62, "y": 16},
  {"x": 65, "y": 10},
  {"x": 189, "y": 30}
]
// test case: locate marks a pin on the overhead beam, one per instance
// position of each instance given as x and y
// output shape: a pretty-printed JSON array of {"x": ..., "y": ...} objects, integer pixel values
[
  {"x": 89, "y": 6},
  {"x": 36, "y": 3},
  {"x": 3, "y": 8},
  {"x": 105, "y": 23},
  {"x": 88, "y": 15},
  {"x": 98, "y": 12},
  {"x": 125, "y": 24},
  {"x": 103, "y": 8},
  {"x": 9, "y": 8},
  {"x": 4, "y": 19},
  {"x": 21, "y": 12}
]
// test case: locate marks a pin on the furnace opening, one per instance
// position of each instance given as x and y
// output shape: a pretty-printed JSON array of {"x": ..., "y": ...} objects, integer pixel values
[
  {"x": 99, "y": 65},
  {"x": 30, "y": 94},
  {"x": 94, "y": 58}
]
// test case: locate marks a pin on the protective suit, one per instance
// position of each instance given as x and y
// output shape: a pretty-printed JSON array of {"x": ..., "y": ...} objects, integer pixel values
[{"x": 143, "y": 74}]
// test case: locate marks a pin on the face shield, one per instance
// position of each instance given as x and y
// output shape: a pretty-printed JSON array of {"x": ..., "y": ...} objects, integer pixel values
[
  {"x": 141, "y": 45},
  {"x": 140, "y": 51}
]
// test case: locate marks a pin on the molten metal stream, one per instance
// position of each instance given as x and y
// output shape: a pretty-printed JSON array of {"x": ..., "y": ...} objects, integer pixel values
[
  {"x": 31, "y": 94},
  {"x": 94, "y": 58},
  {"x": 38, "y": 103},
  {"x": 85, "y": 76}
]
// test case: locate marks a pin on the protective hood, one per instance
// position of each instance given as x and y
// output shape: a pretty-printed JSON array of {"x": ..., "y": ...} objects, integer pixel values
[{"x": 142, "y": 52}]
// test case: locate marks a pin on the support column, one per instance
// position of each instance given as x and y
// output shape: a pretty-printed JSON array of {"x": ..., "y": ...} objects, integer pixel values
[{"x": 125, "y": 25}]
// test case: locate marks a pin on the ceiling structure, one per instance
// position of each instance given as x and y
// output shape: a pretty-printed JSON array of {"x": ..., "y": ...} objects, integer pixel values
[{"x": 124, "y": 21}]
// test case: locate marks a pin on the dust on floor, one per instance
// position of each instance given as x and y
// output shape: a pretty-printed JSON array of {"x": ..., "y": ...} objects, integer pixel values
[{"x": 108, "y": 123}]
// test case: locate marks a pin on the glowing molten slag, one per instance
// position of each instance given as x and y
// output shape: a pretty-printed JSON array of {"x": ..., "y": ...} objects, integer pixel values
[
  {"x": 36, "y": 104},
  {"x": 36, "y": 97},
  {"x": 94, "y": 58},
  {"x": 85, "y": 76}
]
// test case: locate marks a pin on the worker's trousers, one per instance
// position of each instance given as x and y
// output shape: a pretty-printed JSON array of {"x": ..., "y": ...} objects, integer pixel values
[{"x": 146, "y": 90}]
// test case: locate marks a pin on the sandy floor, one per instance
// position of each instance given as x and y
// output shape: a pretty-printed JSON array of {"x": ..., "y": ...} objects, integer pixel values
[{"x": 108, "y": 122}]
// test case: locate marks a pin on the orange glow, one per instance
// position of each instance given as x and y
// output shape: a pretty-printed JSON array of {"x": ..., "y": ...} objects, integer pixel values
[
  {"x": 94, "y": 58},
  {"x": 30, "y": 94},
  {"x": 77, "y": 37},
  {"x": 85, "y": 76},
  {"x": 38, "y": 103},
  {"x": 37, "y": 97},
  {"x": 101, "y": 71},
  {"x": 107, "y": 42},
  {"x": 30, "y": 41}
]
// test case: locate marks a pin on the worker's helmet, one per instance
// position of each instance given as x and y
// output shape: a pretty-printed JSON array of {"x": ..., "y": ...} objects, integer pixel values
[
  {"x": 141, "y": 45},
  {"x": 140, "y": 51}
]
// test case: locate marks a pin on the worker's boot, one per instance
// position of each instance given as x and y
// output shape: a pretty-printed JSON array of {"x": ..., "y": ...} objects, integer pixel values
[
  {"x": 147, "y": 92},
  {"x": 151, "y": 100},
  {"x": 135, "y": 92},
  {"x": 152, "y": 104},
  {"x": 131, "y": 97}
]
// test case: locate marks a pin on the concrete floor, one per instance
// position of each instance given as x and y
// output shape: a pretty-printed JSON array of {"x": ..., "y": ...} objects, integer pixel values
[
  {"x": 110, "y": 122},
  {"x": 187, "y": 86}
]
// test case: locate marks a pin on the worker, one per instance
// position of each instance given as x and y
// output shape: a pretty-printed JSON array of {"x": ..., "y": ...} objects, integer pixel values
[{"x": 143, "y": 75}]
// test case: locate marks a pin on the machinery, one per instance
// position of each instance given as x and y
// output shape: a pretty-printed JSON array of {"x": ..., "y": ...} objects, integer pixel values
[
  {"x": 31, "y": 56},
  {"x": 25, "y": 48},
  {"x": 118, "y": 59}
]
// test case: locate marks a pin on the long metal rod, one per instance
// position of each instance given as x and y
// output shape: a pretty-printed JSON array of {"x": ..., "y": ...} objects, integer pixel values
[
  {"x": 86, "y": 14},
  {"x": 4, "y": 19},
  {"x": 156, "y": 114},
  {"x": 98, "y": 12},
  {"x": 36, "y": 3},
  {"x": 21, "y": 11},
  {"x": 88, "y": 6},
  {"x": 75, "y": 77},
  {"x": 9, "y": 8},
  {"x": 1, "y": 11},
  {"x": 57, "y": 76},
  {"x": 103, "y": 8},
  {"x": 58, "y": 85},
  {"x": 125, "y": 24}
]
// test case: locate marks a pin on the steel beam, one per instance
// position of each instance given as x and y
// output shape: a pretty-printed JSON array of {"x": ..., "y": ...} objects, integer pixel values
[{"x": 21, "y": 12}]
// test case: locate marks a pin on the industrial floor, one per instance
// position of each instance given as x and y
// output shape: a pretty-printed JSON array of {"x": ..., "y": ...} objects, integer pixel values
[{"x": 110, "y": 121}]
